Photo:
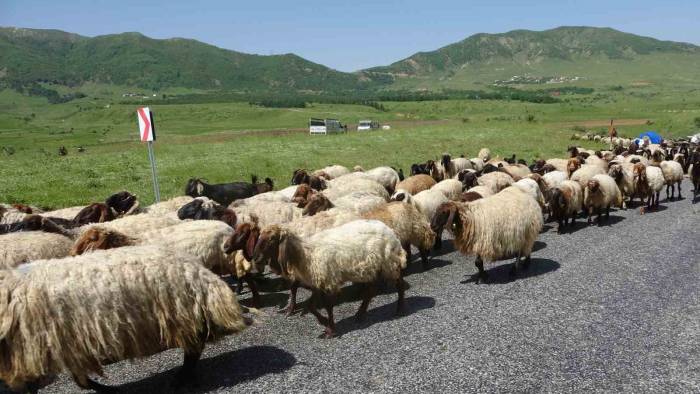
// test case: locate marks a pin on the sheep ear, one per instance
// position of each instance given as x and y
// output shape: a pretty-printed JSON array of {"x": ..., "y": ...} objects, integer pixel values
[
  {"x": 250, "y": 244},
  {"x": 451, "y": 218},
  {"x": 200, "y": 188}
]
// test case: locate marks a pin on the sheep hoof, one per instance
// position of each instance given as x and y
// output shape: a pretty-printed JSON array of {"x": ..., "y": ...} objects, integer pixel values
[
  {"x": 185, "y": 377},
  {"x": 328, "y": 333},
  {"x": 360, "y": 317}
]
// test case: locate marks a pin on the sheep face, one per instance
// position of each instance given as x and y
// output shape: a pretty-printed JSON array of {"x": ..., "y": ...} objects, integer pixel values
[
  {"x": 244, "y": 238},
  {"x": 572, "y": 165},
  {"x": 615, "y": 172},
  {"x": 300, "y": 176},
  {"x": 488, "y": 167},
  {"x": 445, "y": 217},
  {"x": 302, "y": 194},
  {"x": 446, "y": 159},
  {"x": 271, "y": 249},
  {"x": 192, "y": 210},
  {"x": 399, "y": 196},
  {"x": 573, "y": 151},
  {"x": 468, "y": 179},
  {"x": 121, "y": 202},
  {"x": 593, "y": 185},
  {"x": 194, "y": 188},
  {"x": 99, "y": 239},
  {"x": 316, "y": 204}
]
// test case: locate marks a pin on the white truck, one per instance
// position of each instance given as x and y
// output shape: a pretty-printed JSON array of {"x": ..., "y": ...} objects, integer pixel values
[
  {"x": 367, "y": 125},
  {"x": 326, "y": 126}
]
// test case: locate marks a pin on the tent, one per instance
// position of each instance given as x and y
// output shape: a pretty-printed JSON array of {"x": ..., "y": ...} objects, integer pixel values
[{"x": 654, "y": 138}]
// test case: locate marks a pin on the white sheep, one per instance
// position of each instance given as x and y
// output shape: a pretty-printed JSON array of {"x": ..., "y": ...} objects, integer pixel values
[
  {"x": 496, "y": 227},
  {"x": 585, "y": 173},
  {"x": 484, "y": 154},
  {"x": 601, "y": 192},
  {"x": 79, "y": 313},
  {"x": 565, "y": 201},
  {"x": 167, "y": 206},
  {"x": 134, "y": 225},
  {"x": 22, "y": 247},
  {"x": 426, "y": 201},
  {"x": 623, "y": 173},
  {"x": 351, "y": 183},
  {"x": 532, "y": 189},
  {"x": 451, "y": 188},
  {"x": 554, "y": 178},
  {"x": 559, "y": 164},
  {"x": 332, "y": 172},
  {"x": 267, "y": 212},
  {"x": 496, "y": 180},
  {"x": 362, "y": 252},
  {"x": 385, "y": 176},
  {"x": 673, "y": 174}
]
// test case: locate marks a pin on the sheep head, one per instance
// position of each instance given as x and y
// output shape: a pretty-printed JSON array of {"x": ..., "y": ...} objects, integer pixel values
[
  {"x": 122, "y": 202},
  {"x": 300, "y": 176},
  {"x": 572, "y": 165},
  {"x": 271, "y": 248},
  {"x": 317, "y": 203},
  {"x": 401, "y": 195},
  {"x": 468, "y": 179},
  {"x": 593, "y": 185},
  {"x": 195, "y": 187},
  {"x": 302, "y": 194},
  {"x": 446, "y": 159},
  {"x": 192, "y": 210},
  {"x": 243, "y": 238},
  {"x": 573, "y": 151},
  {"x": 615, "y": 172},
  {"x": 99, "y": 239},
  {"x": 640, "y": 172},
  {"x": 93, "y": 213},
  {"x": 445, "y": 217}
]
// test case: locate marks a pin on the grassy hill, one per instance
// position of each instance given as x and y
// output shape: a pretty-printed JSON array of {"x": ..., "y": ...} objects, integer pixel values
[
  {"x": 132, "y": 59},
  {"x": 598, "y": 56}
]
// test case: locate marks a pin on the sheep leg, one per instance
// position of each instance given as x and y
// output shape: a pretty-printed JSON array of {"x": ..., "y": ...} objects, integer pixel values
[
  {"x": 526, "y": 262},
  {"x": 590, "y": 215},
  {"x": 656, "y": 202},
  {"x": 573, "y": 219},
  {"x": 292, "y": 302},
  {"x": 438, "y": 240},
  {"x": 424, "y": 255},
  {"x": 482, "y": 275},
  {"x": 516, "y": 266},
  {"x": 679, "y": 191},
  {"x": 368, "y": 292},
  {"x": 239, "y": 286},
  {"x": 401, "y": 289},
  {"x": 85, "y": 383},
  {"x": 407, "y": 248},
  {"x": 667, "y": 187},
  {"x": 187, "y": 375},
  {"x": 253, "y": 289},
  {"x": 330, "y": 328},
  {"x": 607, "y": 213}
]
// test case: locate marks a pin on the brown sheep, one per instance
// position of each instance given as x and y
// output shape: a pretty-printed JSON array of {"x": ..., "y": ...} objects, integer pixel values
[{"x": 416, "y": 183}]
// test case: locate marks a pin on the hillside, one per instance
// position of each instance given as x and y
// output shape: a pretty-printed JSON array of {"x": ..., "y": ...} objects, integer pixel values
[
  {"x": 132, "y": 59},
  {"x": 600, "y": 55}
]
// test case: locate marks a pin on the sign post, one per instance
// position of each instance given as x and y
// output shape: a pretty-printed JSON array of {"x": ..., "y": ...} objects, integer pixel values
[{"x": 147, "y": 132}]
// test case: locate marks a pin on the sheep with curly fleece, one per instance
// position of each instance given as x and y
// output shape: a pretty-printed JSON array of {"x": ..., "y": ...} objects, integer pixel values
[
  {"x": 78, "y": 314},
  {"x": 23, "y": 247},
  {"x": 648, "y": 180},
  {"x": 531, "y": 188},
  {"x": 496, "y": 181},
  {"x": 416, "y": 183},
  {"x": 352, "y": 183},
  {"x": 585, "y": 173},
  {"x": 332, "y": 171},
  {"x": 451, "y": 188},
  {"x": 356, "y": 202},
  {"x": 601, "y": 192},
  {"x": 673, "y": 174},
  {"x": 623, "y": 174},
  {"x": 496, "y": 227},
  {"x": 361, "y": 252},
  {"x": 565, "y": 201}
]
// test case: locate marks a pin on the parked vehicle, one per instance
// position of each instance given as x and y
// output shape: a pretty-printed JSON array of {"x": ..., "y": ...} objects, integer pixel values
[
  {"x": 326, "y": 126},
  {"x": 366, "y": 125}
]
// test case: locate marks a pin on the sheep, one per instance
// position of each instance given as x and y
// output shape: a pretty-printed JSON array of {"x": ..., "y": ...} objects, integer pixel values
[
  {"x": 10, "y": 215},
  {"x": 301, "y": 176},
  {"x": 694, "y": 172},
  {"x": 554, "y": 178},
  {"x": 36, "y": 223},
  {"x": 601, "y": 192},
  {"x": 78, "y": 313},
  {"x": 623, "y": 174},
  {"x": 484, "y": 154},
  {"x": 203, "y": 239},
  {"x": 117, "y": 205},
  {"x": 558, "y": 164},
  {"x": 385, "y": 176},
  {"x": 497, "y": 181},
  {"x": 223, "y": 193},
  {"x": 416, "y": 183},
  {"x": 531, "y": 188},
  {"x": 202, "y": 208},
  {"x": 451, "y": 167},
  {"x": 492, "y": 228},
  {"x": 565, "y": 201},
  {"x": 355, "y": 182},
  {"x": 426, "y": 202},
  {"x": 673, "y": 174},
  {"x": 435, "y": 170},
  {"x": 632, "y": 159},
  {"x": 167, "y": 206},
  {"x": 572, "y": 165},
  {"x": 477, "y": 163},
  {"x": 356, "y": 202},
  {"x": 475, "y": 193},
  {"x": 362, "y": 252},
  {"x": 517, "y": 171},
  {"x": 649, "y": 181},
  {"x": 264, "y": 187},
  {"x": 134, "y": 225},
  {"x": 585, "y": 173},
  {"x": 331, "y": 172},
  {"x": 451, "y": 188},
  {"x": 268, "y": 212},
  {"x": 284, "y": 195},
  {"x": 22, "y": 247}
]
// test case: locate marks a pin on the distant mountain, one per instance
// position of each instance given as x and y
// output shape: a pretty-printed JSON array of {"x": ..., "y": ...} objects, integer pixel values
[
  {"x": 561, "y": 50},
  {"x": 133, "y": 59}
]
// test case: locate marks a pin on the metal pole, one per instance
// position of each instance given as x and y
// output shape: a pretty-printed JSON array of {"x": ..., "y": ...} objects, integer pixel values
[{"x": 152, "y": 158}]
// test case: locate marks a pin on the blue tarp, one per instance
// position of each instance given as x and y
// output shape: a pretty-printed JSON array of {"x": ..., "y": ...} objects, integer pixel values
[{"x": 654, "y": 138}]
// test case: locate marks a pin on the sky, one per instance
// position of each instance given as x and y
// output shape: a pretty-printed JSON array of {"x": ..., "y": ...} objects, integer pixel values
[{"x": 352, "y": 34}]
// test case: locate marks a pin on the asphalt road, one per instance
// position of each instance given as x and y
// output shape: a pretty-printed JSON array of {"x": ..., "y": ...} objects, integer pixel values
[{"x": 609, "y": 308}]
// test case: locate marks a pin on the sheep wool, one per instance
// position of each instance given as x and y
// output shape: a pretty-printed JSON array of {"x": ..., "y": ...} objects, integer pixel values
[
  {"x": 409, "y": 224},
  {"x": 167, "y": 206},
  {"x": 142, "y": 300},
  {"x": 484, "y": 154},
  {"x": 499, "y": 226},
  {"x": 354, "y": 182},
  {"x": 532, "y": 189},
  {"x": 496, "y": 181},
  {"x": 451, "y": 188},
  {"x": 607, "y": 195},
  {"x": 22, "y": 247},
  {"x": 267, "y": 212},
  {"x": 427, "y": 201},
  {"x": 585, "y": 173},
  {"x": 64, "y": 213},
  {"x": 416, "y": 183},
  {"x": 333, "y": 171},
  {"x": 672, "y": 171},
  {"x": 135, "y": 225},
  {"x": 655, "y": 178},
  {"x": 559, "y": 164},
  {"x": 555, "y": 178}
]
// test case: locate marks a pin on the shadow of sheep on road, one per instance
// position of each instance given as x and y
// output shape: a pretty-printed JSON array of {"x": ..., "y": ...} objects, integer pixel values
[
  {"x": 383, "y": 313},
  {"x": 500, "y": 274}
]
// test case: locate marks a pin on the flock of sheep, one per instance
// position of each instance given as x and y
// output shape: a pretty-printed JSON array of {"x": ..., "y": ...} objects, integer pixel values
[{"x": 83, "y": 287}]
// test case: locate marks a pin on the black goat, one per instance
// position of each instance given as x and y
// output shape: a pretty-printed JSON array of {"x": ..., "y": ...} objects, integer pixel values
[{"x": 223, "y": 193}]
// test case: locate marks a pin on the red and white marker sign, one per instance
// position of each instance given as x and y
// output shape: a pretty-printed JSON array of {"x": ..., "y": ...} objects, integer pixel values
[{"x": 146, "y": 126}]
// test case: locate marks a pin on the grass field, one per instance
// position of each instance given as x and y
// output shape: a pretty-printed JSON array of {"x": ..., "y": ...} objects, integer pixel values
[{"x": 230, "y": 141}]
